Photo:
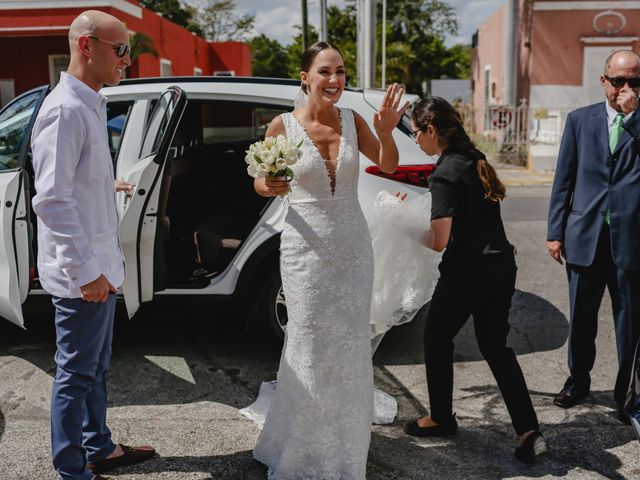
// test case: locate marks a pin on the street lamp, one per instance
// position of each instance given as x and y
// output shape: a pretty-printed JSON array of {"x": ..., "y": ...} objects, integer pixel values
[
  {"x": 305, "y": 26},
  {"x": 324, "y": 33},
  {"x": 383, "y": 80},
  {"x": 366, "y": 13}
]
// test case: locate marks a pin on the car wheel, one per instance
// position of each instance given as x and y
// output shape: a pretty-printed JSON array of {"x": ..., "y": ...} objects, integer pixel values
[{"x": 273, "y": 307}]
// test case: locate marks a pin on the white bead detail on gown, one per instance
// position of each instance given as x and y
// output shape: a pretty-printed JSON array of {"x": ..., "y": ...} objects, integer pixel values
[{"x": 318, "y": 426}]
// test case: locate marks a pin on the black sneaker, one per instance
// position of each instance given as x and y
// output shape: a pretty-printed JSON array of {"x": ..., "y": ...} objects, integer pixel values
[
  {"x": 533, "y": 446},
  {"x": 445, "y": 429}
]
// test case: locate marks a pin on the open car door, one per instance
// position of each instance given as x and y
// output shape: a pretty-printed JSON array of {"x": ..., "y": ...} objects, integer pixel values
[
  {"x": 139, "y": 221},
  {"x": 16, "y": 256}
]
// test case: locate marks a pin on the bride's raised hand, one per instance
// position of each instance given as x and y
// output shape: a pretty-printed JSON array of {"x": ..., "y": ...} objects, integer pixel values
[{"x": 388, "y": 116}]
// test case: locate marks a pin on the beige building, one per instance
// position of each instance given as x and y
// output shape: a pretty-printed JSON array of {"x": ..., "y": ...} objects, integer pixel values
[{"x": 548, "y": 55}]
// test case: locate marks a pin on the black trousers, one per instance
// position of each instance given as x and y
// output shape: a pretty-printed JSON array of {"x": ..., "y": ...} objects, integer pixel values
[
  {"x": 482, "y": 287},
  {"x": 586, "y": 288},
  {"x": 632, "y": 403}
]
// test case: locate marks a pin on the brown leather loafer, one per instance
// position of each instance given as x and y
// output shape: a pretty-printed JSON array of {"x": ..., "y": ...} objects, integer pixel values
[{"x": 131, "y": 456}]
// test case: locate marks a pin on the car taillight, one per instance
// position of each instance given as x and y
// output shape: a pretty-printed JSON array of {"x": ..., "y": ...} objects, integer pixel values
[
  {"x": 32, "y": 276},
  {"x": 417, "y": 175}
]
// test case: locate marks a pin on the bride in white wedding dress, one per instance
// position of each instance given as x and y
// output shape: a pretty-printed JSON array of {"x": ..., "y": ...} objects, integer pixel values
[{"x": 319, "y": 422}]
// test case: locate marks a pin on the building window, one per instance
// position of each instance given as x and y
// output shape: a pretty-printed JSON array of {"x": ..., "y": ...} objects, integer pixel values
[
  {"x": 197, "y": 72},
  {"x": 57, "y": 64},
  {"x": 165, "y": 68}
]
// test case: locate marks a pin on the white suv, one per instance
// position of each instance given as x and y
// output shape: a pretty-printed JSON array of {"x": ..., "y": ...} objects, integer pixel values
[{"x": 194, "y": 225}]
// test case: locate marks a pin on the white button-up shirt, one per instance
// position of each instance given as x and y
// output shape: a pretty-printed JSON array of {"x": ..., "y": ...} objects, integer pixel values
[{"x": 75, "y": 194}]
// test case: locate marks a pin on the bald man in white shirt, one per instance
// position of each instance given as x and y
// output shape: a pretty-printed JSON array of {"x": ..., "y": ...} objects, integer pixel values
[{"x": 80, "y": 262}]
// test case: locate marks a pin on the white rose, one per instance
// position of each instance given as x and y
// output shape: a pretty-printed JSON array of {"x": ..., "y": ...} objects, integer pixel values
[
  {"x": 281, "y": 164},
  {"x": 269, "y": 142},
  {"x": 252, "y": 169},
  {"x": 262, "y": 169},
  {"x": 269, "y": 158}
]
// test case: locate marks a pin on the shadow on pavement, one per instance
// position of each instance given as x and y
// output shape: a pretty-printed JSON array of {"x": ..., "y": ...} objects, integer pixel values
[
  {"x": 536, "y": 326},
  {"x": 488, "y": 443},
  {"x": 584, "y": 441},
  {"x": 191, "y": 350},
  {"x": 240, "y": 465},
  {"x": 173, "y": 352}
]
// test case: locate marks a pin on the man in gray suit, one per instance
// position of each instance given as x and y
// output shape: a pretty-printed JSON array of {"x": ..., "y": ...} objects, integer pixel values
[{"x": 594, "y": 222}]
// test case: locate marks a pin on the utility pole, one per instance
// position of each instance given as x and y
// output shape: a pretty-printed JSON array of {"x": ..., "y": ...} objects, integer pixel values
[
  {"x": 366, "y": 14},
  {"x": 511, "y": 22},
  {"x": 305, "y": 26},
  {"x": 324, "y": 33},
  {"x": 383, "y": 80}
]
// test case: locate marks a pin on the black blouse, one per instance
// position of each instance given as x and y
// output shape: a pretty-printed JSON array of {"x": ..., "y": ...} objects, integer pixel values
[{"x": 456, "y": 191}]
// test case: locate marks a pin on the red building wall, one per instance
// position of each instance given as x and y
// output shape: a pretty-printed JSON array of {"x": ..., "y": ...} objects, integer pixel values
[{"x": 28, "y": 36}]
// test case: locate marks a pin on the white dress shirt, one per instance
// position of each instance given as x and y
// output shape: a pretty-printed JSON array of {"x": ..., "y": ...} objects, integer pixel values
[{"x": 75, "y": 194}]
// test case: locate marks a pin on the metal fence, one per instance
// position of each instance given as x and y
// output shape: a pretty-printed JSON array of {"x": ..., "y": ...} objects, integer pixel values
[{"x": 506, "y": 132}]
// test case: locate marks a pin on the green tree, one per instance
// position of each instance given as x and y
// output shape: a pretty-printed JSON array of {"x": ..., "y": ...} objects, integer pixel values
[
  {"x": 174, "y": 10},
  {"x": 399, "y": 59},
  {"x": 141, "y": 43},
  {"x": 220, "y": 22},
  {"x": 458, "y": 62},
  {"x": 343, "y": 32},
  {"x": 294, "y": 51},
  {"x": 422, "y": 27},
  {"x": 270, "y": 59},
  {"x": 412, "y": 20}
]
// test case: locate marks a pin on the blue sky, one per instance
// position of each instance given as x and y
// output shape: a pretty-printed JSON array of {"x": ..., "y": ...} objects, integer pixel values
[{"x": 276, "y": 18}]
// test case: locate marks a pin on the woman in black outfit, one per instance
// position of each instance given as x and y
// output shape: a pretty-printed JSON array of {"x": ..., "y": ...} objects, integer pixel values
[{"x": 477, "y": 275}]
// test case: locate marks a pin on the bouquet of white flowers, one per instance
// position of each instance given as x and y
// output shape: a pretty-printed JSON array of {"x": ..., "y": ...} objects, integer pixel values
[{"x": 273, "y": 157}]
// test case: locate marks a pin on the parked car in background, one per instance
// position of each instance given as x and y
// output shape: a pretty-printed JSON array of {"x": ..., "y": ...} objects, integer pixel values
[{"x": 194, "y": 225}]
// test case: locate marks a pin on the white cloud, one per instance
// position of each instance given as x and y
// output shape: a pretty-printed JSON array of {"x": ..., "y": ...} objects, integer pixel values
[{"x": 471, "y": 14}]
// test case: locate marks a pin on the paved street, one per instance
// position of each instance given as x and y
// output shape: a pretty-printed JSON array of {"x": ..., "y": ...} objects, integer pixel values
[{"x": 182, "y": 369}]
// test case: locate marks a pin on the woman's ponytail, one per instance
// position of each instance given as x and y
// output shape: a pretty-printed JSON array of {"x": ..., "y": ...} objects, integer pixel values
[{"x": 494, "y": 189}]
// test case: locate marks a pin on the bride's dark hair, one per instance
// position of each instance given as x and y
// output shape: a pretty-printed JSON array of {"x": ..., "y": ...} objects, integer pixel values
[
  {"x": 311, "y": 53},
  {"x": 447, "y": 121}
]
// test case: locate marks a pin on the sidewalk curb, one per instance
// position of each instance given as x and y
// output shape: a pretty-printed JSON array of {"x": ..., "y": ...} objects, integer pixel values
[{"x": 514, "y": 176}]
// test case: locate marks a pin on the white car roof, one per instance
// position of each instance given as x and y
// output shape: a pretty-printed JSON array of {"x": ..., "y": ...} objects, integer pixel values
[{"x": 253, "y": 88}]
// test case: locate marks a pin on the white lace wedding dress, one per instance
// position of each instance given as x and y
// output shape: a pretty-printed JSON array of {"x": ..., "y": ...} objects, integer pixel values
[{"x": 318, "y": 426}]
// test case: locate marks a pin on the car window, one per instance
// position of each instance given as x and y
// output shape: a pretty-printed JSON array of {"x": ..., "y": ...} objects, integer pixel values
[
  {"x": 405, "y": 123},
  {"x": 117, "y": 113},
  {"x": 158, "y": 122},
  {"x": 14, "y": 123},
  {"x": 236, "y": 123}
]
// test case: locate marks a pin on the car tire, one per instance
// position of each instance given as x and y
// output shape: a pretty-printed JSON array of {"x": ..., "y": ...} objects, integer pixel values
[{"x": 272, "y": 307}]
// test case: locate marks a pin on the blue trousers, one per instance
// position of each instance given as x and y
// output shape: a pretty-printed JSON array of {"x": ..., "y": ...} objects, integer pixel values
[
  {"x": 586, "y": 289},
  {"x": 632, "y": 402},
  {"x": 79, "y": 433}
]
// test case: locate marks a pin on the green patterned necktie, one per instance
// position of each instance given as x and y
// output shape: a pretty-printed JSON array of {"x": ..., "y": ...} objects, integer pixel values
[
  {"x": 616, "y": 131},
  {"x": 614, "y": 136}
]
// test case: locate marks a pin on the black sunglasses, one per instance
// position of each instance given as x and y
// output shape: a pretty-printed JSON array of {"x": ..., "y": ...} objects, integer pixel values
[
  {"x": 618, "y": 82},
  {"x": 121, "y": 50}
]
